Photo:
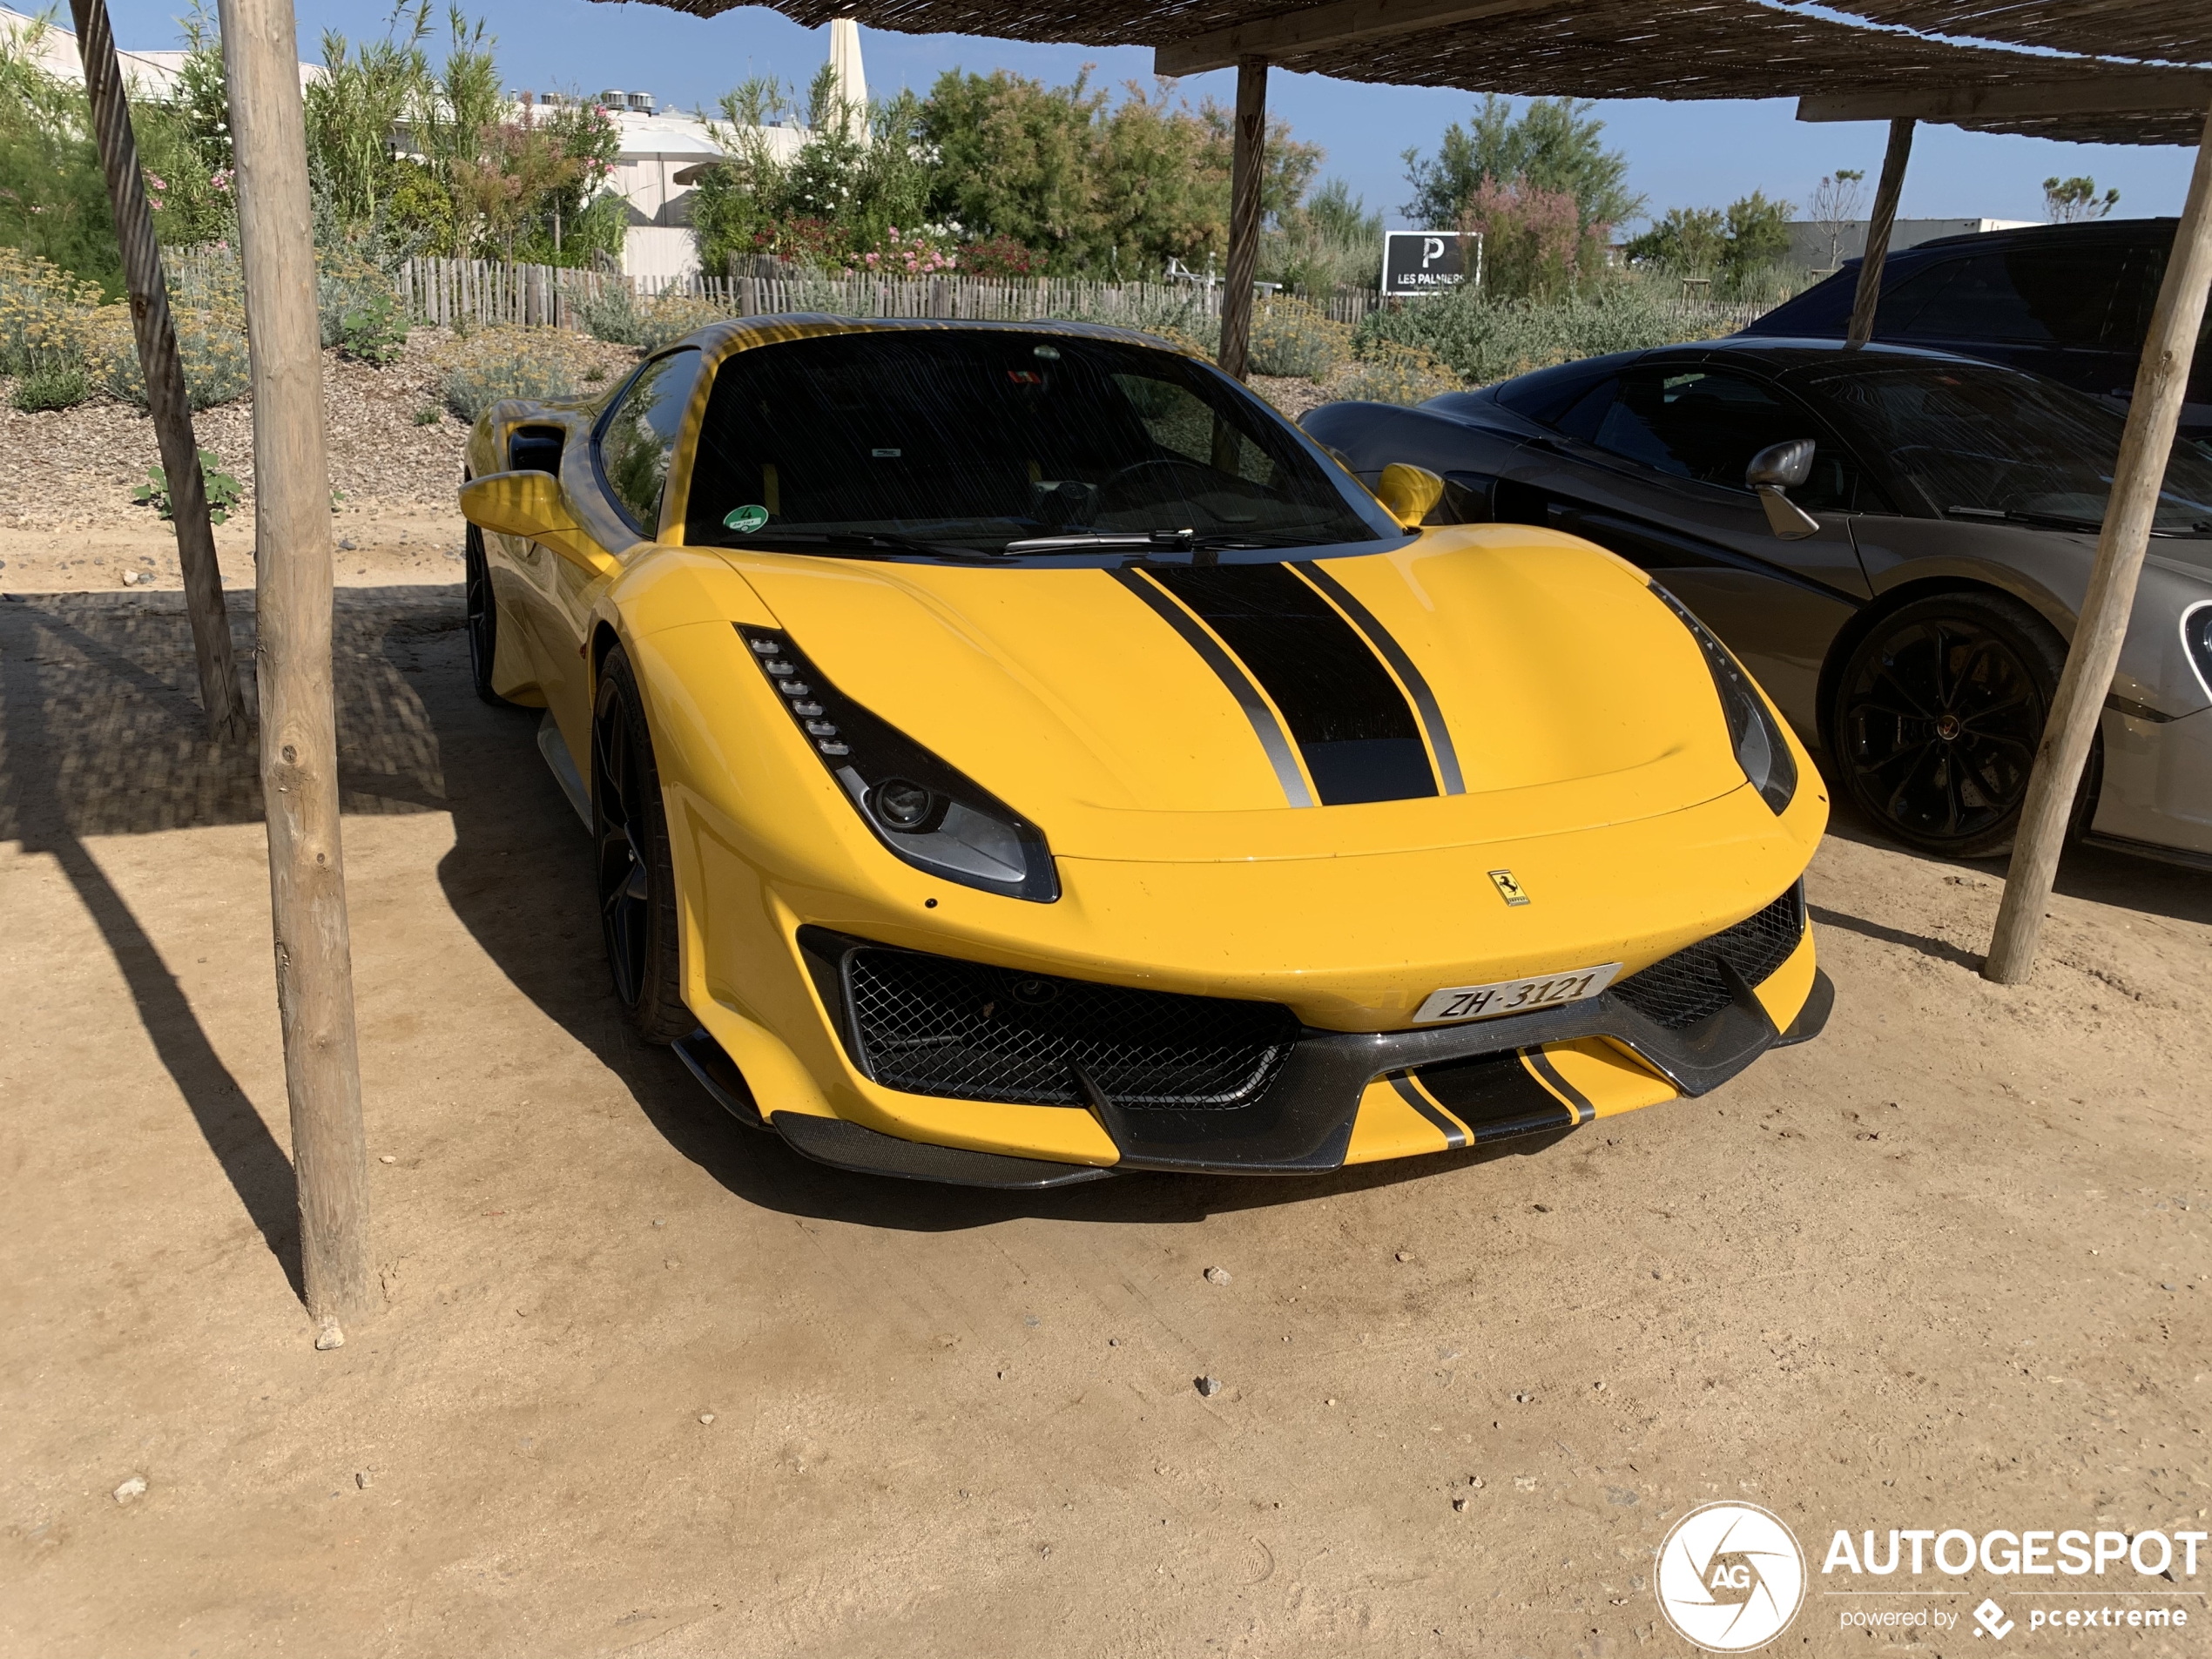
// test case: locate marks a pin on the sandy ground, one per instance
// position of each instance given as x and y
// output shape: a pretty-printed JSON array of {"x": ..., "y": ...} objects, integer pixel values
[{"x": 647, "y": 1383}]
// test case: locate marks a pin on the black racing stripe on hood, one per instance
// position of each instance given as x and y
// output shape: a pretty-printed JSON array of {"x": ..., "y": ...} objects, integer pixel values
[
  {"x": 1265, "y": 727},
  {"x": 1353, "y": 726},
  {"x": 1409, "y": 674}
]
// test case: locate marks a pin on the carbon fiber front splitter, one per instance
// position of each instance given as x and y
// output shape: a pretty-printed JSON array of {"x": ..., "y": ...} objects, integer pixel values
[{"x": 1303, "y": 1124}]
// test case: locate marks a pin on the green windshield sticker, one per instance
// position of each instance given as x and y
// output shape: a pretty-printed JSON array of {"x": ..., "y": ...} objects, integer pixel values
[{"x": 746, "y": 519}]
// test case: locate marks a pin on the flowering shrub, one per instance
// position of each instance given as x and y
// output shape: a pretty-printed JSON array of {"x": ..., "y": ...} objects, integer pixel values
[
  {"x": 922, "y": 251},
  {"x": 45, "y": 314},
  {"x": 211, "y": 339},
  {"x": 1533, "y": 240},
  {"x": 502, "y": 361},
  {"x": 619, "y": 317},
  {"x": 1392, "y": 372},
  {"x": 1290, "y": 337},
  {"x": 1001, "y": 257}
]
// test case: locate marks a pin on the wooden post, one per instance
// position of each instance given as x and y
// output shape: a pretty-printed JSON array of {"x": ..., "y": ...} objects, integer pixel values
[
  {"x": 1246, "y": 170},
  {"x": 299, "y": 731},
  {"x": 2144, "y": 447},
  {"x": 1886, "y": 192},
  {"x": 166, "y": 401}
]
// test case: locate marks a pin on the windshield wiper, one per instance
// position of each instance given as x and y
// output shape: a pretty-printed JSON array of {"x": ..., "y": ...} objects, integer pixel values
[
  {"x": 867, "y": 538},
  {"x": 1169, "y": 540},
  {"x": 2014, "y": 515}
]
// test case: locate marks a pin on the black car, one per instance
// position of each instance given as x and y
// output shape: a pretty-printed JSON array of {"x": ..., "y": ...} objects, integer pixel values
[
  {"x": 1895, "y": 541},
  {"x": 2072, "y": 302}
]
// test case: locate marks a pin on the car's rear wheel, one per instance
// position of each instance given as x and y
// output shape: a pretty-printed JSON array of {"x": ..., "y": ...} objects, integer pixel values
[
  {"x": 483, "y": 616},
  {"x": 1937, "y": 716},
  {"x": 635, "y": 877}
]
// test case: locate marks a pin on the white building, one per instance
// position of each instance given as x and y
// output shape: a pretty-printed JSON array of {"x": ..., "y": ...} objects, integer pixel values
[
  {"x": 663, "y": 150},
  {"x": 1812, "y": 248},
  {"x": 152, "y": 75}
]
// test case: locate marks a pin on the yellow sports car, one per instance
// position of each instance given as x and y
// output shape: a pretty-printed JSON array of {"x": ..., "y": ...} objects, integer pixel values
[{"x": 1014, "y": 753}]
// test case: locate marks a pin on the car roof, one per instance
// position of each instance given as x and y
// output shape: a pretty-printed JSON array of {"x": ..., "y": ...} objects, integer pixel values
[
  {"x": 722, "y": 340},
  {"x": 1781, "y": 354},
  {"x": 2093, "y": 232}
]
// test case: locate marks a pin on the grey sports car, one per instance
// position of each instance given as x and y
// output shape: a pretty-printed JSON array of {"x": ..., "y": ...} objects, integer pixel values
[{"x": 1894, "y": 542}]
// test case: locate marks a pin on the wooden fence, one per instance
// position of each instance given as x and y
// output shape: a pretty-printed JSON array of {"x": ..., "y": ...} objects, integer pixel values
[
  {"x": 449, "y": 292},
  {"x": 444, "y": 291}
]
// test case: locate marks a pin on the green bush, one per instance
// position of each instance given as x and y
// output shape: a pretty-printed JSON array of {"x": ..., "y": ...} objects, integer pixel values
[
  {"x": 618, "y": 317},
  {"x": 359, "y": 309},
  {"x": 223, "y": 491},
  {"x": 374, "y": 333},
  {"x": 1484, "y": 340},
  {"x": 51, "y": 383},
  {"x": 1290, "y": 337},
  {"x": 502, "y": 361}
]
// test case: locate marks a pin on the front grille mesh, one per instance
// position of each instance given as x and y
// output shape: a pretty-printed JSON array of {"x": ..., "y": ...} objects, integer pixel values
[
  {"x": 1685, "y": 987},
  {"x": 932, "y": 1025}
]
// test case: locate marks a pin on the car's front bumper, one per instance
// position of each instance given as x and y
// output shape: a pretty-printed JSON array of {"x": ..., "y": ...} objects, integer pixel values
[{"x": 1338, "y": 1097}]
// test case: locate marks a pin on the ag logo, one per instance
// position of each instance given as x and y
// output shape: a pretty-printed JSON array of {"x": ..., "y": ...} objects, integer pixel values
[{"x": 1730, "y": 1577}]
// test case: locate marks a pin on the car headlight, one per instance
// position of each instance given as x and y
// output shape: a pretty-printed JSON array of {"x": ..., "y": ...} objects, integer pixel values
[
  {"x": 1761, "y": 748},
  {"x": 2197, "y": 640},
  {"x": 923, "y": 810}
]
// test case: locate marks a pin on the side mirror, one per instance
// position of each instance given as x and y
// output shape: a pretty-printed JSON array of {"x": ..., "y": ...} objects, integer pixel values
[
  {"x": 1778, "y": 467},
  {"x": 1407, "y": 492},
  {"x": 529, "y": 504}
]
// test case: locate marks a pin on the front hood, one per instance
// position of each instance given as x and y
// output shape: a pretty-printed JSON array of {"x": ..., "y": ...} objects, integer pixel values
[{"x": 1482, "y": 684}]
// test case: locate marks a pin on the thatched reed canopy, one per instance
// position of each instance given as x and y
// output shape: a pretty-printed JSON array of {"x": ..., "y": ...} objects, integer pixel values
[{"x": 1712, "y": 49}]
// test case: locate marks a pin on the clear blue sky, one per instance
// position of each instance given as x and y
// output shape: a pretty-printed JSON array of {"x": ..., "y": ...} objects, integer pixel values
[{"x": 1688, "y": 154}]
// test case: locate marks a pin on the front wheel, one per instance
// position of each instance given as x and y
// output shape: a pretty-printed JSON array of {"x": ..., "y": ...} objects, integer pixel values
[
  {"x": 1937, "y": 716},
  {"x": 635, "y": 877},
  {"x": 483, "y": 613}
]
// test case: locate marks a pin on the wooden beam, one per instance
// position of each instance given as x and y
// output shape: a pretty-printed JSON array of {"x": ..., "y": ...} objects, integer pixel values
[
  {"x": 1887, "y": 190},
  {"x": 2145, "y": 444},
  {"x": 2087, "y": 91},
  {"x": 166, "y": 400},
  {"x": 1247, "y": 170},
  {"x": 1312, "y": 28},
  {"x": 299, "y": 727}
]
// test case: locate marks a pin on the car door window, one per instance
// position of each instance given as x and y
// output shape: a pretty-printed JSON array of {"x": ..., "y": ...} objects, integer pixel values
[
  {"x": 2035, "y": 296},
  {"x": 1703, "y": 425},
  {"x": 637, "y": 441}
]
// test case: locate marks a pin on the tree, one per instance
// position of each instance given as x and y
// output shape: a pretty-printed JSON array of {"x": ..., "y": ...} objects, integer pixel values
[
  {"x": 1835, "y": 208},
  {"x": 2070, "y": 201},
  {"x": 1555, "y": 145},
  {"x": 1733, "y": 247},
  {"x": 1757, "y": 239},
  {"x": 1328, "y": 242},
  {"x": 1686, "y": 241}
]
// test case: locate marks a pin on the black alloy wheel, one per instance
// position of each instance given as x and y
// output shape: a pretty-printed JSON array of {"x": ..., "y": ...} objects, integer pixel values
[
  {"x": 634, "y": 877},
  {"x": 483, "y": 617},
  {"x": 1937, "y": 716}
]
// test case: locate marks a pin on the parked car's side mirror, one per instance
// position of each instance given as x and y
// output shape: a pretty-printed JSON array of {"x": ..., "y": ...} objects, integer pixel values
[
  {"x": 1407, "y": 492},
  {"x": 1776, "y": 469},
  {"x": 529, "y": 504}
]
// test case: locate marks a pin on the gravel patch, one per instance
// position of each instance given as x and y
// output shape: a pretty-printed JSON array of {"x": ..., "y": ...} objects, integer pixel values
[{"x": 74, "y": 468}]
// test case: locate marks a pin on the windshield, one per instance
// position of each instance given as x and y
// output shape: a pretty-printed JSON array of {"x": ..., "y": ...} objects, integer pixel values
[
  {"x": 1990, "y": 443},
  {"x": 992, "y": 442}
]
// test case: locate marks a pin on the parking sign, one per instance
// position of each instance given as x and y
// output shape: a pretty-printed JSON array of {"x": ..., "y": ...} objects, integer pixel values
[{"x": 1429, "y": 261}]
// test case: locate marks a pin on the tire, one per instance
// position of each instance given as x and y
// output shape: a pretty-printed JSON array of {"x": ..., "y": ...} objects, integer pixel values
[
  {"x": 634, "y": 877},
  {"x": 1936, "y": 717},
  {"x": 483, "y": 618}
]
